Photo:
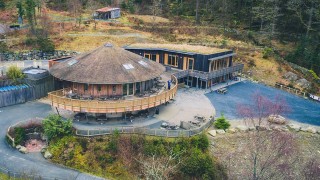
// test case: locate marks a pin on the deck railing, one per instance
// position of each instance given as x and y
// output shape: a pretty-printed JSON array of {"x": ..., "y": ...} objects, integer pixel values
[
  {"x": 209, "y": 75},
  {"x": 95, "y": 106}
]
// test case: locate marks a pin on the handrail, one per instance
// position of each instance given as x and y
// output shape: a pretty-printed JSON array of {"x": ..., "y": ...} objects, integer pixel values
[
  {"x": 209, "y": 75},
  {"x": 119, "y": 106},
  {"x": 144, "y": 131}
]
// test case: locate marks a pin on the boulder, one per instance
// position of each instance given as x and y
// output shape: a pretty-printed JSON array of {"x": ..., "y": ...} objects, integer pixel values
[
  {"x": 251, "y": 128},
  {"x": 213, "y": 133},
  {"x": 44, "y": 137},
  {"x": 294, "y": 127},
  {"x": 43, "y": 150},
  {"x": 242, "y": 128},
  {"x": 212, "y": 144},
  {"x": 303, "y": 83},
  {"x": 262, "y": 128},
  {"x": 276, "y": 119},
  {"x": 311, "y": 130},
  {"x": 47, "y": 155},
  {"x": 276, "y": 128},
  {"x": 231, "y": 130},
  {"x": 23, "y": 150},
  {"x": 284, "y": 128},
  {"x": 304, "y": 129},
  {"x": 290, "y": 76},
  {"x": 220, "y": 131},
  {"x": 18, "y": 147}
]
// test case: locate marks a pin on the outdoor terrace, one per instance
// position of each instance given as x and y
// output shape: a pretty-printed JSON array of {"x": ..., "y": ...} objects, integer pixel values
[
  {"x": 116, "y": 104},
  {"x": 209, "y": 75}
]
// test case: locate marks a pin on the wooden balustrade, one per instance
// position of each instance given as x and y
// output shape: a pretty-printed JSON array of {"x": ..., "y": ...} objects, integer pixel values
[{"x": 95, "y": 106}]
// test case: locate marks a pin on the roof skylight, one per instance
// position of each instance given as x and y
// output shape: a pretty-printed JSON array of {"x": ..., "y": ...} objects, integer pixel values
[
  {"x": 72, "y": 62},
  {"x": 143, "y": 63},
  {"x": 108, "y": 45},
  {"x": 128, "y": 66}
]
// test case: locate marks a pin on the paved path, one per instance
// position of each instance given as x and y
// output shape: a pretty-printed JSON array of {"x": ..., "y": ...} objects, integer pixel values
[
  {"x": 188, "y": 103},
  {"x": 32, "y": 163}
]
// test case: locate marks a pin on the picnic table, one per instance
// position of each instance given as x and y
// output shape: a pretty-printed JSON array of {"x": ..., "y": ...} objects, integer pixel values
[
  {"x": 195, "y": 122},
  {"x": 161, "y": 83},
  {"x": 72, "y": 95},
  {"x": 87, "y": 97},
  {"x": 103, "y": 98}
]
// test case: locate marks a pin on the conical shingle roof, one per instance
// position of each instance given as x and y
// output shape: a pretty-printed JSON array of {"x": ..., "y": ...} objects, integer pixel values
[{"x": 107, "y": 65}]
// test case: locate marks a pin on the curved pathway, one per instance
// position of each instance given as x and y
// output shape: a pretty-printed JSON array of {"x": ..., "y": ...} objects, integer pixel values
[{"x": 31, "y": 163}]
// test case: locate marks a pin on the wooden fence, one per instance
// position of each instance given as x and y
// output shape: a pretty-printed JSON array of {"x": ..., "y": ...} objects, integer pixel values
[
  {"x": 21, "y": 124},
  {"x": 37, "y": 89},
  {"x": 144, "y": 131},
  {"x": 16, "y": 96}
]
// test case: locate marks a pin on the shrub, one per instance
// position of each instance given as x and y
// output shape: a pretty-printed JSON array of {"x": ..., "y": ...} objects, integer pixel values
[
  {"x": 251, "y": 63},
  {"x": 267, "y": 52},
  {"x": 123, "y": 5},
  {"x": 201, "y": 141},
  {"x": 54, "y": 126},
  {"x": 2, "y": 4},
  {"x": 314, "y": 75},
  {"x": 155, "y": 147},
  {"x": 221, "y": 123},
  {"x": 41, "y": 43},
  {"x": 3, "y": 47},
  {"x": 19, "y": 135},
  {"x": 198, "y": 165},
  {"x": 14, "y": 73},
  {"x": 46, "y": 45},
  {"x": 224, "y": 43},
  {"x": 113, "y": 144}
]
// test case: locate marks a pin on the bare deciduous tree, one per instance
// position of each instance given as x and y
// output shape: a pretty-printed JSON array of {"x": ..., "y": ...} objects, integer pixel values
[
  {"x": 311, "y": 170},
  {"x": 257, "y": 114},
  {"x": 156, "y": 11},
  {"x": 270, "y": 153},
  {"x": 160, "y": 167},
  {"x": 75, "y": 8}
]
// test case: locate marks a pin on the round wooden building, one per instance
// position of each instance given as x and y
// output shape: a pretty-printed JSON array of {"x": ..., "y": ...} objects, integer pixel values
[{"x": 110, "y": 79}]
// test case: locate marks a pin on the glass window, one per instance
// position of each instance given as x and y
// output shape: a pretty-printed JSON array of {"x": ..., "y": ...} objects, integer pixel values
[
  {"x": 190, "y": 63},
  {"x": 153, "y": 57},
  {"x": 99, "y": 87},
  {"x": 147, "y": 56},
  {"x": 130, "y": 89},
  {"x": 138, "y": 87},
  {"x": 114, "y": 88},
  {"x": 86, "y": 87},
  {"x": 125, "y": 89},
  {"x": 173, "y": 60}
]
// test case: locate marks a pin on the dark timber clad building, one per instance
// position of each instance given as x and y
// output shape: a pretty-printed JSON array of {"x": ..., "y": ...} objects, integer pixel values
[{"x": 200, "y": 66}]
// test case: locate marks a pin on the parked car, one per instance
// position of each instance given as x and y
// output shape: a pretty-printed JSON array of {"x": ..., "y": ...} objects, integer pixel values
[
  {"x": 164, "y": 125},
  {"x": 174, "y": 127}
]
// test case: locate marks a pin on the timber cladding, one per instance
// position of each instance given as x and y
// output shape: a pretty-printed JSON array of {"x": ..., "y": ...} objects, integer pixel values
[
  {"x": 36, "y": 89},
  {"x": 181, "y": 59}
]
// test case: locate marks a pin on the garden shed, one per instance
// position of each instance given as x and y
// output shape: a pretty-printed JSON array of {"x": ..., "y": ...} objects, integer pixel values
[{"x": 107, "y": 13}]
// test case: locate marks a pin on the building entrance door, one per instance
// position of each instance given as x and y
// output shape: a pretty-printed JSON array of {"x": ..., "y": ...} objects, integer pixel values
[
  {"x": 190, "y": 63},
  {"x": 130, "y": 89},
  {"x": 137, "y": 87}
]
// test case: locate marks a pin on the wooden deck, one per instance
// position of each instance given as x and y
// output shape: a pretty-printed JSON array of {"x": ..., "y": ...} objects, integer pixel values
[{"x": 119, "y": 106}]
